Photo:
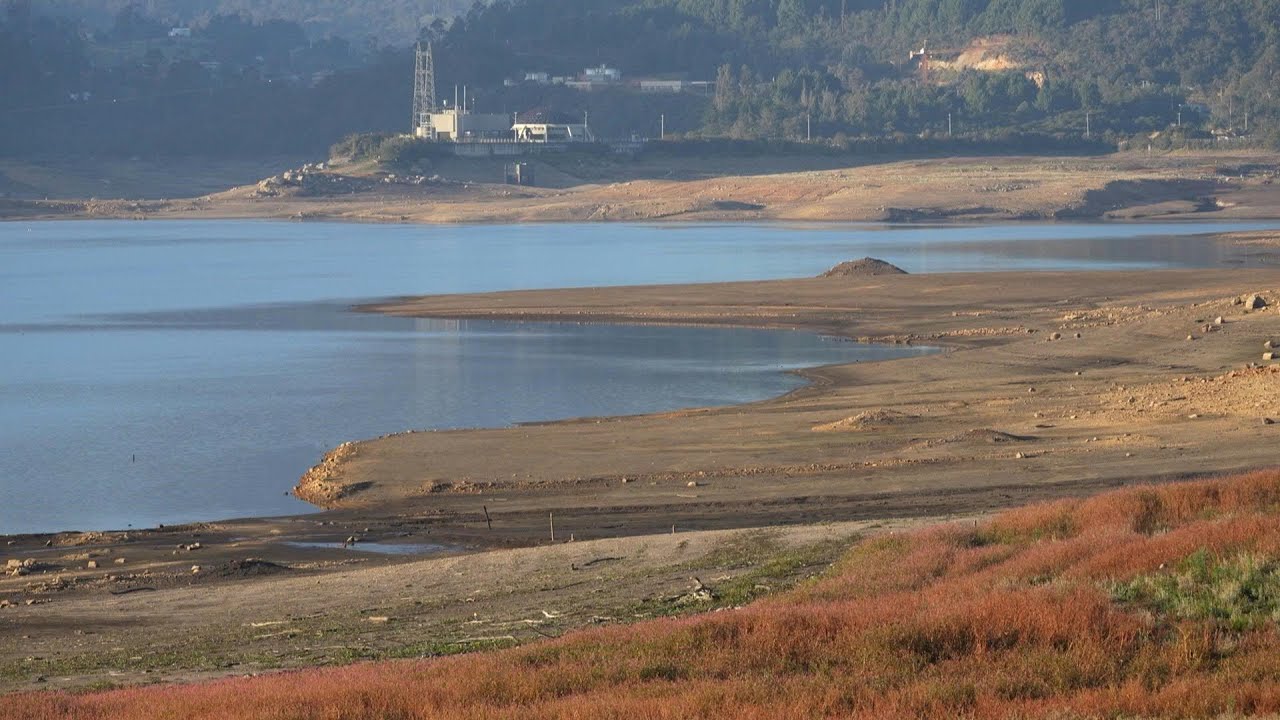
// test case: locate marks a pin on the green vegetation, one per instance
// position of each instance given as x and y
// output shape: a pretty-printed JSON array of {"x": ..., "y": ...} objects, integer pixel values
[
  {"x": 1240, "y": 592},
  {"x": 383, "y": 21},
  {"x": 787, "y": 67}
]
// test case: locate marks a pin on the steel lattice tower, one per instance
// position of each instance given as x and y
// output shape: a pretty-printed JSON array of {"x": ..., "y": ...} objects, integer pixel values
[{"x": 424, "y": 87}]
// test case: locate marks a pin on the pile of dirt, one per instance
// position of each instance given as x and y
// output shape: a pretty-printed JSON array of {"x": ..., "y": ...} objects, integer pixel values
[
  {"x": 866, "y": 267},
  {"x": 865, "y": 421},
  {"x": 987, "y": 435},
  {"x": 250, "y": 567}
]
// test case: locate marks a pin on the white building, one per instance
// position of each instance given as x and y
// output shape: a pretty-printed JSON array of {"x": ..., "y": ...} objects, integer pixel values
[
  {"x": 553, "y": 132},
  {"x": 602, "y": 74}
]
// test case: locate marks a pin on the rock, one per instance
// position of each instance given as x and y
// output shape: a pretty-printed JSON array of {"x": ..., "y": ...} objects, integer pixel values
[
  {"x": 1268, "y": 421},
  {"x": 865, "y": 267},
  {"x": 1269, "y": 345},
  {"x": 120, "y": 561},
  {"x": 1219, "y": 320},
  {"x": 1190, "y": 338},
  {"x": 11, "y": 564},
  {"x": 692, "y": 484},
  {"x": 195, "y": 569},
  {"x": 1254, "y": 302},
  {"x": 92, "y": 565},
  {"x": 1055, "y": 336},
  {"x": 1078, "y": 336},
  {"x": 1271, "y": 356}
]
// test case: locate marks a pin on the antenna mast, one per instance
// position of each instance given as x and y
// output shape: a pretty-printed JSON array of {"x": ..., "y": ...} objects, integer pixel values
[{"x": 424, "y": 87}]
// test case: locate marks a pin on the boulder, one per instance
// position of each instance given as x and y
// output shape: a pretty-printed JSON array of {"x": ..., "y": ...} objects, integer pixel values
[{"x": 1254, "y": 302}]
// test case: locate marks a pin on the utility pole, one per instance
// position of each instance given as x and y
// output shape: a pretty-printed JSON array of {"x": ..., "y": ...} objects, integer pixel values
[
  {"x": 808, "y": 128},
  {"x": 948, "y": 124},
  {"x": 1088, "y": 118},
  {"x": 662, "y": 126}
]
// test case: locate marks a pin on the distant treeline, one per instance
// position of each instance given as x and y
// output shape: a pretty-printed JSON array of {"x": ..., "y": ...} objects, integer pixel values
[{"x": 836, "y": 71}]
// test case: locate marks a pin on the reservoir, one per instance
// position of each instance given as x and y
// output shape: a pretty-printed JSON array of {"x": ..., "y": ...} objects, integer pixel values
[{"x": 173, "y": 371}]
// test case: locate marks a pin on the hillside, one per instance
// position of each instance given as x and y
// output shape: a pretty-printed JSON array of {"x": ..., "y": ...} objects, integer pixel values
[
  {"x": 1157, "y": 601},
  {"x": 394, "y": 22},
  {"x": 1130, "y": 73}
]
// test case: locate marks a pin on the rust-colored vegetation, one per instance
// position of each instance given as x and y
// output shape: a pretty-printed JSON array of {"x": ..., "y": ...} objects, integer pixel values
[{"x": 1149, "y": 602}]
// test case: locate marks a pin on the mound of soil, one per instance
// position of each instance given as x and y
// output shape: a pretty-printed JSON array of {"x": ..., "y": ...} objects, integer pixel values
[
  {"x": 866, "y": 267},
  {"x": 250, "y": 567},
  {"x": 865, "y": 420},
  {"x": 987, "y": 435}
]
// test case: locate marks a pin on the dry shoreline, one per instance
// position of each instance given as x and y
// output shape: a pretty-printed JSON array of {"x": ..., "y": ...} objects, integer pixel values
[{"x": 882, "y": 189}]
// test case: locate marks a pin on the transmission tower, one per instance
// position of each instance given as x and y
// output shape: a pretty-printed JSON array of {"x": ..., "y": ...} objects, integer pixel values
[{"x": 424, "y": 87}]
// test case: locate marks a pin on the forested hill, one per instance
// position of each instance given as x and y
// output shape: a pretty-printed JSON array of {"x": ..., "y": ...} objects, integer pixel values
[
  {"x": 385, "y": 21},
  {"x": 1147, "y": 71},
  {"x": 845, "y": 63}
]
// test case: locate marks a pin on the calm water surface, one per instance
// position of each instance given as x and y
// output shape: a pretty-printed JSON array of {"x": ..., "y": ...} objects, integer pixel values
[{"x": 160, "y": 372}]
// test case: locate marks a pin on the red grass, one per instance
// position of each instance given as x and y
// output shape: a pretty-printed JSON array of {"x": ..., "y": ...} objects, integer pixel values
[{"x": 1007, "y": 620}]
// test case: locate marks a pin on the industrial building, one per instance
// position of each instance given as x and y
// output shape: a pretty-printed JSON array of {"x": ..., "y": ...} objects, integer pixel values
[
  {"x": 459, "y": 125},
  {"x": 470, "y": 134}
]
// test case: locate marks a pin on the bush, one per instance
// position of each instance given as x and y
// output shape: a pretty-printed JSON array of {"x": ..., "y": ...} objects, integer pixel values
[{"x": 359, "y": 146}]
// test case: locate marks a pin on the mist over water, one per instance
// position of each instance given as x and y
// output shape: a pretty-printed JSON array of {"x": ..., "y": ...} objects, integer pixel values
[{"x": 161, "y": 372}]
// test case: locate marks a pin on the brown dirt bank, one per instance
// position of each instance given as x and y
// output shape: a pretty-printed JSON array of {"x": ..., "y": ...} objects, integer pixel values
[
  {"x": 1054, "y": 383},
  {"x": 1127, "y": 186}
]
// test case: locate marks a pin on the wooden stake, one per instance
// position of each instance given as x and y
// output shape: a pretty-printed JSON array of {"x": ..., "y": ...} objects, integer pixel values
[{"x": 552, "y": 517}]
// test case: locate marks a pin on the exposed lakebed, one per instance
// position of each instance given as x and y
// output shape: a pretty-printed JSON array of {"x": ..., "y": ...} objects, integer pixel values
[{"x": 160, "y": 372}]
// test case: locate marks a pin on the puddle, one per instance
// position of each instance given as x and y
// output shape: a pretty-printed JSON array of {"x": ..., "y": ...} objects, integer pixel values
[{"x": 377, "y": 548}]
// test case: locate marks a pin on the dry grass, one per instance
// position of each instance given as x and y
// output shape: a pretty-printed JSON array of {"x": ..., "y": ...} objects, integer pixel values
[{"x": 1149, "y": 602}]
